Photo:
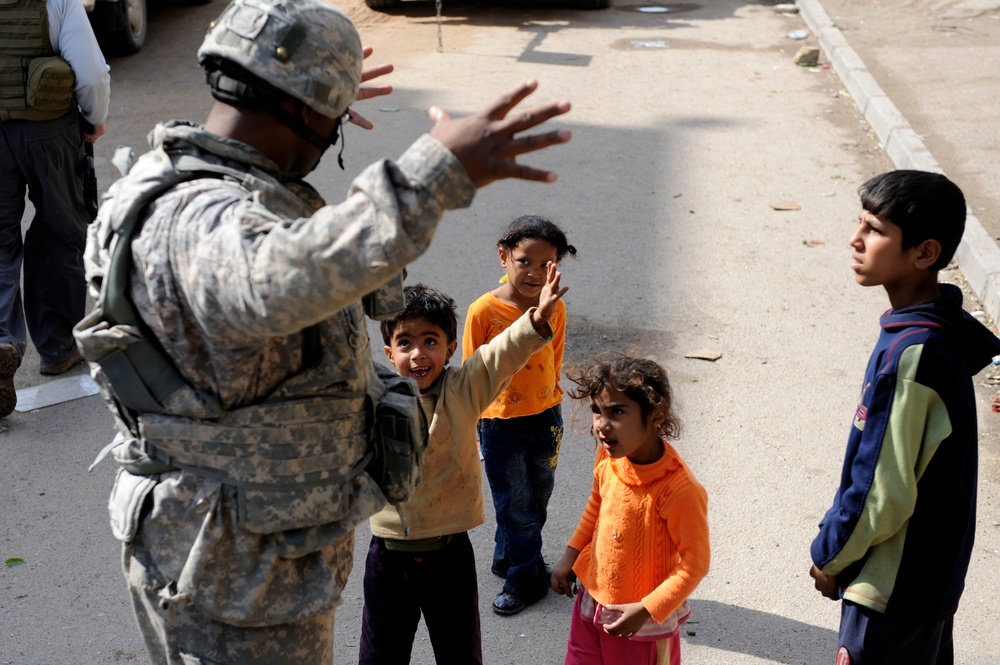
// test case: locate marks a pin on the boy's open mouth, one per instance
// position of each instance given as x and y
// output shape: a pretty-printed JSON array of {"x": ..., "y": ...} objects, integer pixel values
[{"x": 419, "y": 372}]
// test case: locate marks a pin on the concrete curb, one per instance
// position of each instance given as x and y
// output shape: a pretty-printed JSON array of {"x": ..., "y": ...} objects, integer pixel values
[{"x": 978, "y": 254}]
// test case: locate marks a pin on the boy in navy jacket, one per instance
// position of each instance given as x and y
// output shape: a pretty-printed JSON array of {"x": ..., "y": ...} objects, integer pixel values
[{"x": 896, "y": 544}]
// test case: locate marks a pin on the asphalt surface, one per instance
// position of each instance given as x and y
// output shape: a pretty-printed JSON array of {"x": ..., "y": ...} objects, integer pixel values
[{"x": 688, "y": 125}]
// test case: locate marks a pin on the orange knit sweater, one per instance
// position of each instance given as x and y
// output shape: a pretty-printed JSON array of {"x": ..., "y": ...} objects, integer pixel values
[{"x": 644, "y": 534}]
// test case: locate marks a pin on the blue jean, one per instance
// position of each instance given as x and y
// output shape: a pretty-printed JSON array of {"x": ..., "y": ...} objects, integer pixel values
[
  {"x": 520, "y": 456},
  {"x": 45, "y": 158},
  {"x": 441, "y": 585},
  {"x": 872, "y": 638}
]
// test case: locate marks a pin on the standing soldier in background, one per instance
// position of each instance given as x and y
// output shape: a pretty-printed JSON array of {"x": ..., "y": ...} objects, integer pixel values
[
  {"x": 50, "y": 65},
  {"x": 229, "y": 335}
]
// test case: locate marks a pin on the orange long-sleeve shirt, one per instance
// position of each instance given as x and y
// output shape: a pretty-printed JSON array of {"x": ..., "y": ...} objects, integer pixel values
[
  {"x": 644, "y": 534},
  {"x": 535, "y": 387}
]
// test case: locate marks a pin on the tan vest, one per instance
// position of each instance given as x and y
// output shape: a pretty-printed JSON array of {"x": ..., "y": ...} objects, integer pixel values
[{"x": 35, "y": 83}]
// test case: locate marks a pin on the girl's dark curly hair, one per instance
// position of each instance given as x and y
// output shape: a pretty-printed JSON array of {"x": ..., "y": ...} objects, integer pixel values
[
  {"x": 643, "y": 381},
  {"x": 536, "y": 227}
]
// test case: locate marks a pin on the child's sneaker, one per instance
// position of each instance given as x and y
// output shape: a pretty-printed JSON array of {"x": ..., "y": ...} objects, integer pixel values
[{"x": 507, "y": 604}]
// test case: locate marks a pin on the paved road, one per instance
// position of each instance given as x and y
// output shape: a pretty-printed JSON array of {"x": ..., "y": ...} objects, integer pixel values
[
  {"x": 935, "y": 60},
  {"x": 922, "y": 73},
  {"x": 688, "y": 125}
]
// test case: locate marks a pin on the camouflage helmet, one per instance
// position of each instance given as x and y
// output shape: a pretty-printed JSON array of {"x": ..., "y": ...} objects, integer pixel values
[{"x": 306, "y": 48}]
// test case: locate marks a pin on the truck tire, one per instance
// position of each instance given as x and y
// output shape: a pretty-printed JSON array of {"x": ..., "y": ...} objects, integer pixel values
[
  {"x": 382, "y": 4},
  {"x": 122, "y": 25}
]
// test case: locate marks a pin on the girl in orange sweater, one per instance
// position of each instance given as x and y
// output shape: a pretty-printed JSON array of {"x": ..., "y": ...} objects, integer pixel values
[{"x": 641, "y": 547}]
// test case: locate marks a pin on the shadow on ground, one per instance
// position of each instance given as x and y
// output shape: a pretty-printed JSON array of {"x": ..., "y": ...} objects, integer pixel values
[{"x": 759, "y": 634}]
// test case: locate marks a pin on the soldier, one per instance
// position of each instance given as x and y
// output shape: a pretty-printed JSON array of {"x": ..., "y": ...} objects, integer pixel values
[
  {"x": 50, "y": 65},
  {"x": 229, "y": 334}
]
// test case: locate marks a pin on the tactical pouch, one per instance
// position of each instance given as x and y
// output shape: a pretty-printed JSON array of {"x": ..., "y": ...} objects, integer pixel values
[
  {"x": 50, "y": 85},
  {"x": 128, "y": 495},
  {"x": 400, "y": 437}
]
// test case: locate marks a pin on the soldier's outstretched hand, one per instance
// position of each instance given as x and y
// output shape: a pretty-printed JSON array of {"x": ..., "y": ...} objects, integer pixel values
[
  {"x": 369, "y": 91},
  {"x": 487, "y": 142}
]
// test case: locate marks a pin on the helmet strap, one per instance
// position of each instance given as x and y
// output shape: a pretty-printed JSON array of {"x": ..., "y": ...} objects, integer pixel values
[{"x": 295, "y": 123}]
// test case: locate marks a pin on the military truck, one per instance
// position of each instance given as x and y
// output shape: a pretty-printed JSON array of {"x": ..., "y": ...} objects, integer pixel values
[
  {"x": 120, "y": 25},
  {"x": 579, "y": 4}
]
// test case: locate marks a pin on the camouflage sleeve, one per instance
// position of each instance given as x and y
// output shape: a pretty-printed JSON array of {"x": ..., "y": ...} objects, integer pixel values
[{"x": 303, "y": 271}]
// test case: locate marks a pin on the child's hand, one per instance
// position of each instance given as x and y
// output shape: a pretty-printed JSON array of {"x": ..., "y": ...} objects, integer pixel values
[
  {"x": 547, "y": 299},
  {"x": 825, "y": 584},
  {"x": 563, "y": 577},
  {"x": 634, "y": 615}
]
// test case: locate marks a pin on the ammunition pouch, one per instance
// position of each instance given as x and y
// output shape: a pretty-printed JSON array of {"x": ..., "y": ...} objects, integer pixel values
[
  {"x": 36, "y": 88},
  {"x": 50, "y": 85},
  {"x": 400, "y": 437}
]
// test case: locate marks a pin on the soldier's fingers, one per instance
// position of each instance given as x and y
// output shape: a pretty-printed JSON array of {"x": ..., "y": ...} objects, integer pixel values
[
  {"x": 359, "y": 120},
  {"x": 437, "y": 114},
  {"x": 511, "y": 169},
  {"x": 532, "y": 117},
  {"x": 370, "y": 91},
  {"x": 533, "y": 142},
  {"x": 501, "y": 106},
  {"x": 368, "y": 74}
]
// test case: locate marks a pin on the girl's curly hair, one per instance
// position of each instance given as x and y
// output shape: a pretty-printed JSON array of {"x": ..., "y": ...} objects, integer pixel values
[{"x": 643, "y": 381}]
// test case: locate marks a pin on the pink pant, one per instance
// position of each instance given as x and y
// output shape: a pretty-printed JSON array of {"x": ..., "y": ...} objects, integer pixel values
[{"x": 590, "y": 645}]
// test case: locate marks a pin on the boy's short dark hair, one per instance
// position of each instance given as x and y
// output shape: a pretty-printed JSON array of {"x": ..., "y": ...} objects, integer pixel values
[
  {"x": 431, "y": 305},
  {"x": 924, "y": 205}
]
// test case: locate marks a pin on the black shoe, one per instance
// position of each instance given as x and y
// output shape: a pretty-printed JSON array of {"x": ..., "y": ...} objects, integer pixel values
[
  {"x": 52, "y": 369},
  {"x": 10, "y": 359},
  {"x": 507, "y": 604},
  {"x": 496, "y": 571}
]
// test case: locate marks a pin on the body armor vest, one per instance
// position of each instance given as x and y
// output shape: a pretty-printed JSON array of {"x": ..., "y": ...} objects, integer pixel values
[
  {"x": 299, "y": 458},
  {"x": 35, "y": 83}
]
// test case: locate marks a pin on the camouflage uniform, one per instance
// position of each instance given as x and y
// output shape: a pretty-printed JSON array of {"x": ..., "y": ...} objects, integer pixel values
[
  {"x": 238, "y": 366},
  {"x": 253, "y": 288}
]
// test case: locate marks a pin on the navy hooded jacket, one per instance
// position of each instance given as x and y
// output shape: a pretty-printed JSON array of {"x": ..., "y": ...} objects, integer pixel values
[{"x": 899, "y": 535}]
